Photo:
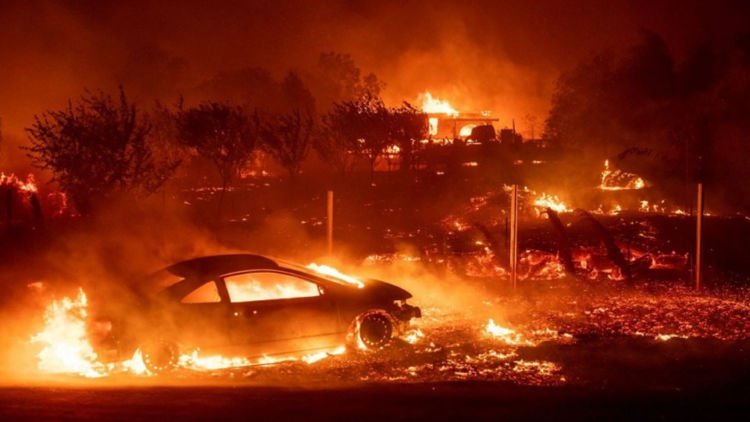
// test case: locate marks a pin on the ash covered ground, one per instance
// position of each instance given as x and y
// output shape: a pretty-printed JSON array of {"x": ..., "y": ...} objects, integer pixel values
[{"x": 582, "y": 354}]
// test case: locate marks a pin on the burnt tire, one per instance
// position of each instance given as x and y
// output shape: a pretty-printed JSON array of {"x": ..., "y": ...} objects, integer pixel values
[
  {"x": 374, "y": 330},
  {"x": 160, "y": 356}
]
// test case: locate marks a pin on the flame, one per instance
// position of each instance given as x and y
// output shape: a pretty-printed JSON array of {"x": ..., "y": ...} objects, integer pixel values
[
  {"x": 67, "y": 348},
  {"x": 413, "y": 336},
  {"x": 136, "y": 365},
  {"x": 332, "y": 272},
  {"x": 66, "y": 345},
  {"x": 29, "y": 186},
  {"x": 550, "y": 201},
  {"x": 248, "y": 288},
  {"x": 194, "y": 361},
  {"x": 432, "y": 125},
  {"x": 434, "y": 105},
  {"x": 392, "y": 150},
  {"x": 466, "y": 131},
  {"x": 620, "y": 180}
]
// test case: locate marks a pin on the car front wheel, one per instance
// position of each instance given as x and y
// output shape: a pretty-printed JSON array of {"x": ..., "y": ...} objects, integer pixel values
[{"x": 373, "y": 330}]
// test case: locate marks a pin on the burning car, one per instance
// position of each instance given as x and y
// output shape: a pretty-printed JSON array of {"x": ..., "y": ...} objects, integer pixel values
[{"x": 250, "y": 305}]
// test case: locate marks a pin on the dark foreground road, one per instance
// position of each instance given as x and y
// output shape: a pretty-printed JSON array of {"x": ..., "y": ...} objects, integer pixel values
[{"x": 452, "y": 401}]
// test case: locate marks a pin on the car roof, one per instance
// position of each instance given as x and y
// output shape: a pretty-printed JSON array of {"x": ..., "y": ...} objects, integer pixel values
[{"x": 216, "y": 265}]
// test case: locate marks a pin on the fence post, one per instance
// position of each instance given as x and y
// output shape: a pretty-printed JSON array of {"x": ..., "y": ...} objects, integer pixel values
[
  {"x": 514, "y": 236},
  {"x": 699, "y": 237},
  {"x": 329, "y": 222}
]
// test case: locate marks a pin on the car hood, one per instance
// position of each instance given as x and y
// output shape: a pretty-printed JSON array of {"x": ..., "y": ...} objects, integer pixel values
[{"x": 383, "y": 290}]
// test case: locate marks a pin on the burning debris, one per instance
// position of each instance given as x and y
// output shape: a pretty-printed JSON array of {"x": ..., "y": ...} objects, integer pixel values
[
  {"x": 12, "y": 181},
  {"x": 614, "y": 180}
]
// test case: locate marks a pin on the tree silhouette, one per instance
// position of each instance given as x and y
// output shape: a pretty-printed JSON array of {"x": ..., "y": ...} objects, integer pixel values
[
  {"x": 220, "y": 133},
  {"x": 287, "y": 138},
  {"x": 358, "y": 126},
  {"x": 407, "y": 125},
  {"x": 337, "y": 79},
  {"x": 96, "y": 147},
  {"x": 164, "y": 135}
]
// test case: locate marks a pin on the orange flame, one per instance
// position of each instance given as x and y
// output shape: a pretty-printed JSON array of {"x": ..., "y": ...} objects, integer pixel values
[
  {"x": 28, "y": 186},
  {"x": 550, "y": 201},
  {"x": 66, "y": 345},
  {"x": 68, "y": 350},
  {"x": 432, "y": 105},
  {"x": 332, "y": 272}
]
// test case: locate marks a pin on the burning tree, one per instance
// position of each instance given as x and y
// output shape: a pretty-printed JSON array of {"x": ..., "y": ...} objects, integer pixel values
[
  {"x": 220, "y": 133},
  {"x": 96, "y": 147}
]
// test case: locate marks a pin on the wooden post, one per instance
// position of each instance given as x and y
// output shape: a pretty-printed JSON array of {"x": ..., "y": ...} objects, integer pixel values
[
  {"x": 699, "y": 236},
  {"x": 329, "y": 222},
  {"x": 514, "y": 236}
]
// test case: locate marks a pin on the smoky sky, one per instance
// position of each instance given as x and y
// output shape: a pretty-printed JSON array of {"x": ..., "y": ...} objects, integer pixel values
[{"x": 502, "y": 56}]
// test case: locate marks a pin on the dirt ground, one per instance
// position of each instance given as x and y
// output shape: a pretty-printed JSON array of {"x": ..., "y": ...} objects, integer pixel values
[{"x": 445, "y": 401}]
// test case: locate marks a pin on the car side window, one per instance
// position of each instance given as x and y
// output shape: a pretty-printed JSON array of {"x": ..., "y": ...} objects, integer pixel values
[
  {"x": 207, "y": 293},
  {"x": 250, "y": 287}
]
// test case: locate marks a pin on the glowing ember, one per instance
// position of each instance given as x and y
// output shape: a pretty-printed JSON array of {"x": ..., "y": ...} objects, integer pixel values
[
  {"x": 315, "y": 357},
  {"x": 667, "y": 337},
  {"x": 332, "y": 272},
  {"x": 620, "y": 180},
  {"x": 433, "y": 105},
  {"x": 413, "y": 336},
  {"x": 507, "y": 335}
]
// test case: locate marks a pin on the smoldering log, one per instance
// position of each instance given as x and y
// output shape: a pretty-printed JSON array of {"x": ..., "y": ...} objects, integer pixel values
[
  {"x": 499, "y": 249},
  {"x": 613, "y": 252},
  {"x": 563, "y": 243}
]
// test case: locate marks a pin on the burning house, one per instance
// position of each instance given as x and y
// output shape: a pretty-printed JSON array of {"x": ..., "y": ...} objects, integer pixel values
[{"x": 446, "y": 123}]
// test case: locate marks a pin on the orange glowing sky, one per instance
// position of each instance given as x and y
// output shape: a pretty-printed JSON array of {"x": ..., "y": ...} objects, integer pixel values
[{"x": 502, "y": 56}]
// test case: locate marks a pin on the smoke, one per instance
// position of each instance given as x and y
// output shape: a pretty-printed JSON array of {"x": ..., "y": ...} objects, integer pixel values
[{"x": 499, "y": 56}]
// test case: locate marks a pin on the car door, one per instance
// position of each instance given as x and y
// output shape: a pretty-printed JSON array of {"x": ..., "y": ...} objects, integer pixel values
[
  {"x": 279, "y": 308},
  {"x": 204, "y": 318}
]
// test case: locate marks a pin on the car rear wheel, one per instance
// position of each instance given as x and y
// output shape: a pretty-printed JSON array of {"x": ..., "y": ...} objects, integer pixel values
[
  {"x": 160, "y": 356},
  {"x": 374, "y": 330}
]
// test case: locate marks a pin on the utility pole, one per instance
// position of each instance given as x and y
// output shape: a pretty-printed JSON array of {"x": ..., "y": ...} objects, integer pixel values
[{"x": 514, "y": 236}]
